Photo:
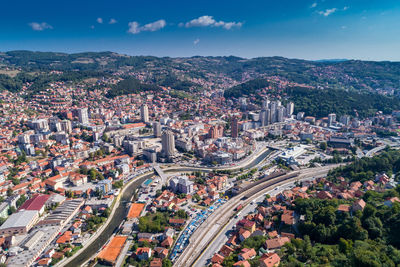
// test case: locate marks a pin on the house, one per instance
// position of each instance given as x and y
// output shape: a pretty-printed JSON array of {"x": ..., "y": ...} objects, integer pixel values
[
  {"x": 270, "y": 260},
  {"x": 161, "y": 252},
  {"x": 276, "y": 243},
  {"x": 324, "y": 195},
  {"x": 65, "y": 238},
  {"x": 244, "y": 234},
  {"x": 217, "y": 258},
  {"x": 289, "y": 235},
  {"x": 247, "y": 254},
  {"x": 250, "y": 225},
  {"x": 87, "y": 210},
  {"x": 287, "y": 217},
  {"x": 49, "y": 253},
  {"x": 143, "y": 253},
  {"x": 168, "y": 232},
  {"x": 44, "y": 262},
  {"x": 157, "y": 262},
  {"x": 343, "y": 208},
  {"x": 358, "y": 205},
  {"x": 226, "y": 251},
  {"x": 168, "y": 242}
]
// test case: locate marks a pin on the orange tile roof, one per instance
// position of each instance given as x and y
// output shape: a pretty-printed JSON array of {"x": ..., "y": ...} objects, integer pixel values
[
  {"x": 135, "y": 210},
  {"x": 111, "y": 252}
]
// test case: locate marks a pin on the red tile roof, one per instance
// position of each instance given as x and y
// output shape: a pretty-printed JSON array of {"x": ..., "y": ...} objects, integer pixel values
[{"x": 35, "y": 203}]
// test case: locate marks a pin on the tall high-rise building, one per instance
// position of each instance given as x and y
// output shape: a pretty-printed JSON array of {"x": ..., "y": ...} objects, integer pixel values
[
  {"x": 300, "y": 116},
  {"x": 216, "y": 131},
  {"x": 83, "y": 115},
  {"x": 331, "y": 118},
  {"x": 157, "y": 129},
  {"x": 235, "y": 128},
  {"x": 345, "y": 119},
  {"x": 274, "y": 107},
  {"x": 265, "y": 104},
  {"x": 268, "y": 117},
  {"x": 280, "y": 114},
  {"x": 263, "y": 117},
  {"x": 289, "y": 109},
  {"x": 144, "y": 113},
  {"x": 168, "y": 144},
  {"x": 66, "y": 126}
]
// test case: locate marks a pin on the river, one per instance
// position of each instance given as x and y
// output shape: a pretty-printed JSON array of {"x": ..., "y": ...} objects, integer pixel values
[
  {"x": 121, "y": 211},
  {"x": 119, "y": 215}
]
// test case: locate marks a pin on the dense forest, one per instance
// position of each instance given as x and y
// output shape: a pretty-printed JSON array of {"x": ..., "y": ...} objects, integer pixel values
[
  {"x": 320, "y": 103},
  {"x": 130, "y": 86},
  {"x": 40, "y": 81},
  {"x": 366, "y": 168},
  {"x": 370, "y": 237},
  {"x": 246, "y": 89},
  {"x": 349, "y": 74}
]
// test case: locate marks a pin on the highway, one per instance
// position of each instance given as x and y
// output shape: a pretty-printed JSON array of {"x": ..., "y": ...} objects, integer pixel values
[
  {"x": 118, "y": 212},
  {"x": 373, "y": 151},
  {"x": 223, "y": 235},
  {"x": 216, "y": 222}
]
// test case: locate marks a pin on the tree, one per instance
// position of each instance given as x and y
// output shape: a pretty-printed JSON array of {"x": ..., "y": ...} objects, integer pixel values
[
  {"x": 118, "y": 184},
  {"x": 323, "y": 145},
  {"x": 11, "y": 210},
  {"x": 105, "y": 138},
  {"x": 166, "y": 263},
  {"x": 9, "y": 191},
  {"x": 181, "y": 214}
]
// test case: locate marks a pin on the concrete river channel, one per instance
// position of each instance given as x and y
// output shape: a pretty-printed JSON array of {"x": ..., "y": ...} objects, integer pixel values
[{"x": 120, "y": 213}]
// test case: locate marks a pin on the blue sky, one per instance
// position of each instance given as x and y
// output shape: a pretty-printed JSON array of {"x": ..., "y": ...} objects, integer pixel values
[{"x": 321, "y": 29}]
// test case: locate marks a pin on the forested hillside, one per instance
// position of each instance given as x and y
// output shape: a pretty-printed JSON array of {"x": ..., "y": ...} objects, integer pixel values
[
  {"x": 368, "y": 237},
  {"x": 222, "y": 71}
]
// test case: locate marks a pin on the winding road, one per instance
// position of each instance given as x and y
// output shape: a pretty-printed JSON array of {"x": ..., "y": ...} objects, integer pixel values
[
  {"x": 216, "y": 222},
  {"x": 119, "y": 210}
]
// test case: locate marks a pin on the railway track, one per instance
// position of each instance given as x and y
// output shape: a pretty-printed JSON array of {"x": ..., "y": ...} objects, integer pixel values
[{"x": 206, "y": 233}]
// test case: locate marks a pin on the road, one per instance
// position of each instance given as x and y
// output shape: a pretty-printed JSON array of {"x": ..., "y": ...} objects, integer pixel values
[
  {"x": 223, "y": 236},
  {"x": 217, "y": 221},
  {"x": 374, "y": 151},
  {"x": 119, "y": 211},
  {"x": 102, "y": 235},
  {"x": 121, "y": 257}
]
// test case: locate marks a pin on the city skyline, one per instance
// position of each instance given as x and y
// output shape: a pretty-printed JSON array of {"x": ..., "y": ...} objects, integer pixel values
[{"x": 296, "y": 29}]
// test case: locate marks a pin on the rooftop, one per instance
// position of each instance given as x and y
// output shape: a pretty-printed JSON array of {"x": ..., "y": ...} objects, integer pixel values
[{"x": 19, "y": 219}]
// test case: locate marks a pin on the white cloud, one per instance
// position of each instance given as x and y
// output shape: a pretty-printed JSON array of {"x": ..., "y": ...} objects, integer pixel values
[
  {"x": 345, "y": 8},
  {"x": 99, "y": 20},
  {"x": 328, "y": 12},
  {"x": 135, "y": 28},
  {"x": 112, "y": 21},
  {"x": 202, "y": 21},
  {"x": 40, "y": 26},
  {"x": 209, "y": 21},
  {"x": 314, "y": 5},
  {"x": 195, "y": 42},
  {"x": 154, "y": 26}
]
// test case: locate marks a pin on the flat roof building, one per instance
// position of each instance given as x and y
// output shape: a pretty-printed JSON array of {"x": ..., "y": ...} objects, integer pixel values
[{"x": 19, "y": 223}]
